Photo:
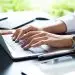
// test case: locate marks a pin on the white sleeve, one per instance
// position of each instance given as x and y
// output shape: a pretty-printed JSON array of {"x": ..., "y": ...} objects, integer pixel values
[{"x": 69, "y": 20}]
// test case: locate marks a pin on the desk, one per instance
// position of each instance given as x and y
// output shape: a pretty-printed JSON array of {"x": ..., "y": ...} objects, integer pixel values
[
  {"x": 33, "y": 67},
  {"x": 8, "y": 67}
]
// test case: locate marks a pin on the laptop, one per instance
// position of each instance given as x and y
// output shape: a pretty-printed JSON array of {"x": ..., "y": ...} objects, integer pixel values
[{"x": 16, "y": 52}]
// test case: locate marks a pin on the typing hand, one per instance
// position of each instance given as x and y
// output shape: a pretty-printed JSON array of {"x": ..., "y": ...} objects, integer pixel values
[
  {"x": 37, "y": 38},
  {"x": 20, "y": 32}
]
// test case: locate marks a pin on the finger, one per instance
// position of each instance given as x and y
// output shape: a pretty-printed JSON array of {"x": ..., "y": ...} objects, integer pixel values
[
  {"x": 17, "y": 30},
  {"x": 27, "y": 35},
  {"x": 35, "y": 36},
  {"x": 35, "y": 40},
  {"x": 30, "y": 28},
  {"x": 42, "y": 34},
  {"x": 15, "y": 34},
  {"x": 38, "y": 43},
  {"x": 21, "y": 33},
  {"x": 52, "y": 35},
  {"x": 23, "y": 43},
  {"x": 50, "y": 42}
]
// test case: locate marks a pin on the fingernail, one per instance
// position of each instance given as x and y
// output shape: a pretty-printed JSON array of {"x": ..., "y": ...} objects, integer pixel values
[
  {"x": 16, "y": 41},
  {"x": 13, "y": 38},
  {"x": 23, "y": 73},
  {"x": 26, "y": 47}
]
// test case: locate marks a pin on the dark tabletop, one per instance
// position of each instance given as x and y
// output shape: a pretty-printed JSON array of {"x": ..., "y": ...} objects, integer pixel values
[{"x": 5, "y": 60}]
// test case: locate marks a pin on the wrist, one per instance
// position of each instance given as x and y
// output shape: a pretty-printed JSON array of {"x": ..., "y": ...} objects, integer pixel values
[
  {"x": 68, "y": 40},
  {"x": 56, "y": 27},
  {"x": 73, "y": 41}
]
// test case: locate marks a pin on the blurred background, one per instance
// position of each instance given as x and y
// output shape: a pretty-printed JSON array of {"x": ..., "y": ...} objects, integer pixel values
[{"x": 53, "y": 7}]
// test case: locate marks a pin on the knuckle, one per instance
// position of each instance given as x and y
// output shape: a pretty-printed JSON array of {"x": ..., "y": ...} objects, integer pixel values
[
  {"x": 44, "y": 34},
  {"x": 33, "y": 28},
  {"x": 22, "y": 30},
  {"x": 46, "y": 37},
  {"x": 30, "y": 38},
  {"x": 34, "y": 39},
  {"x": 30, "y": 27},
  {"x": 17, "y": 30},
  {"x": 42, "y": 41},
  {"x": 30, "y": 32}
]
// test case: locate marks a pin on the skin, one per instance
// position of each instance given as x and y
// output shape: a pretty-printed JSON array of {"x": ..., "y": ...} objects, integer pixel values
[
  {"x": 57, "y": 27},
  {"x": 37, "y": 38},
  {"x": 32, "y": 36}
]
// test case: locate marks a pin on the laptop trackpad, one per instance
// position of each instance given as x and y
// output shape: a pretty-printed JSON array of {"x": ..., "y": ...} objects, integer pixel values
[{"x": 40, "y": 49}]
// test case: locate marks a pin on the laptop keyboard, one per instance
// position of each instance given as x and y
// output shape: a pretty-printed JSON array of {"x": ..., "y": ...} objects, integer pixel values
[{"x": 17, "y": 47}]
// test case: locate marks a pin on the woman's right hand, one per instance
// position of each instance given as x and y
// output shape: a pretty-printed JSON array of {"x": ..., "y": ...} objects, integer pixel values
[{"x": 21, "y": 31}]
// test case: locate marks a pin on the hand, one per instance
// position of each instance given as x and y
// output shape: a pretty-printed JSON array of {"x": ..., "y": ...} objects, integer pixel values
[
  {"x": 37, "y": 38},
  {"x": 56, "y": 27},
  {"x": 20, "y": 32}
]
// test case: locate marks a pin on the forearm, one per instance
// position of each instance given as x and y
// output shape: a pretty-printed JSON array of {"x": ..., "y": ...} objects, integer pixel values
[
  {"x": 64, "y": 24},
  {"x": 57, "y": 27}
]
